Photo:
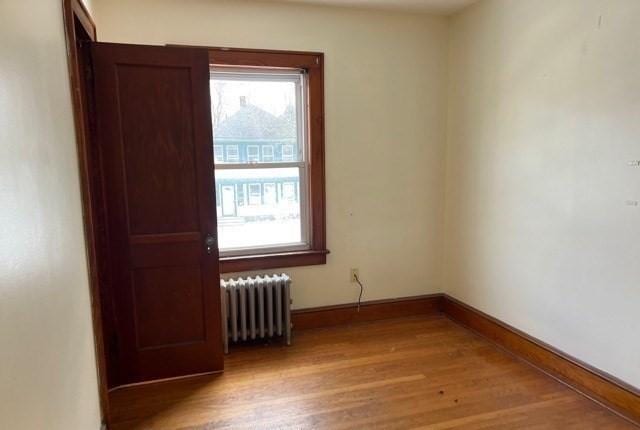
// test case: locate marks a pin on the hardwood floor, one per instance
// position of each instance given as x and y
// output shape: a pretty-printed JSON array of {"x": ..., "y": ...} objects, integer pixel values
[{"x": 421, "y": 372}]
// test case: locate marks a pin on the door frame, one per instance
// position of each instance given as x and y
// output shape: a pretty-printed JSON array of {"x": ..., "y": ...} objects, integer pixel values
[{"x": 79, "y": 28}]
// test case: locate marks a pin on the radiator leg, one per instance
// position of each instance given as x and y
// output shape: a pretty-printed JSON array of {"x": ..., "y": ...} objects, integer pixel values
[
  {"x": 288, "y": 335},
  {"x": 223, "y": 309},
  {"x": 287, "y": 310}
]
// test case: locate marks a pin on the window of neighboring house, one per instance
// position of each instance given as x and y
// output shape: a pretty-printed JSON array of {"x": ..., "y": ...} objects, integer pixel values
[
  {"x": 232, "y": 153},
  {"x": 253, "y": 153},
  {"x": 287, "y": 152},
  {"x": 218, "y": 154},
  {"x": 267, "y": 153},
  {"x": 260, "y": 99}
]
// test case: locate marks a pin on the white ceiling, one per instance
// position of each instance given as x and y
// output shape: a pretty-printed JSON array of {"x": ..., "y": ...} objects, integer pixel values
[{"x": 443, "y": 7}]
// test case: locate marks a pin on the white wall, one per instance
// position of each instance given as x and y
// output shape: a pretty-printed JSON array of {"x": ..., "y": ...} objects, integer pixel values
[
  {"x": 47, "y": 365},
  {"x": 544, "y": 117},
  {"x": 385, "y": 127}
]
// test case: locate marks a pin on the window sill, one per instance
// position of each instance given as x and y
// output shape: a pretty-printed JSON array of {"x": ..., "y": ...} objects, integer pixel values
[{"x": 245, "y": 263}]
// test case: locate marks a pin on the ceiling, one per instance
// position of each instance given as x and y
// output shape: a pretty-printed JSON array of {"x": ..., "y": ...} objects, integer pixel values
[{"x": 443, "y": 7}]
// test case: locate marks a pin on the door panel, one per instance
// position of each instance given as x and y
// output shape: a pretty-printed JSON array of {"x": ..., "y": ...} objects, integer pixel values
[
  {"x": 168, "y": 306},
  {"x": 154, "y": 132},
  {"x": 165, "y": 198}
]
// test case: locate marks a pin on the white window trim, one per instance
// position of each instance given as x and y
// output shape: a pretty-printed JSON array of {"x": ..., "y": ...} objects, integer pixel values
[{"x": 297, "y": 77}]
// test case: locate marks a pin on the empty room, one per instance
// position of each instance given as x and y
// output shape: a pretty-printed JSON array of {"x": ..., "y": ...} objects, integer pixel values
[{"x": 319, "y": 214}]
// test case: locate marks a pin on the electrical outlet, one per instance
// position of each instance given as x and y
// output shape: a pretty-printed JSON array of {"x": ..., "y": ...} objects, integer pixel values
[{"x": 355, "y": 273}]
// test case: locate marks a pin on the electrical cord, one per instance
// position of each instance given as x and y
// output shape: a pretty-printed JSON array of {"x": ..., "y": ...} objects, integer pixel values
[{"x": 361, "y": 290}]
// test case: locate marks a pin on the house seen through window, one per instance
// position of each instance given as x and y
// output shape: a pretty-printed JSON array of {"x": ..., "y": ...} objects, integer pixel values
[{"x": 259, "y": 127}]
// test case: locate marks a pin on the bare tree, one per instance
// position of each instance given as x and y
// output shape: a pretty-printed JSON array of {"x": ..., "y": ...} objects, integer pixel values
[{"x": 218, "y": 103}]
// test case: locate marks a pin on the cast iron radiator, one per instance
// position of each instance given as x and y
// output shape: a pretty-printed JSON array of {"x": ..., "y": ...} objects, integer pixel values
[{"x": 256, "y": 308}]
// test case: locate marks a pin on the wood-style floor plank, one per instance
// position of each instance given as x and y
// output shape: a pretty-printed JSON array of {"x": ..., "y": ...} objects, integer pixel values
[{"x": 421, "y": 372}]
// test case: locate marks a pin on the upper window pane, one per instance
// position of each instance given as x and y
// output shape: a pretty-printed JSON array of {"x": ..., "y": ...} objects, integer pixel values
[{"x": 259, "y": 114}]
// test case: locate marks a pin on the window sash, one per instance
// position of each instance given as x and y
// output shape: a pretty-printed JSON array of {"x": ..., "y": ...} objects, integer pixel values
[
  {"x": 303, "y": 200},
  {"x": 296, "y": 76}
]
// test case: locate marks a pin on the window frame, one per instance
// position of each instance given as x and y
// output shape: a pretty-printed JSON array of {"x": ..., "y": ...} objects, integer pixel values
[
  {"x": 312, "y": 63},
  {"x": 296, "y": 77}
]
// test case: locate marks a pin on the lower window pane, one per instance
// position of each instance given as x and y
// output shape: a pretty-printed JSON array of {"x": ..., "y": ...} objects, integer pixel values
[{"x": 258, "y": 208}]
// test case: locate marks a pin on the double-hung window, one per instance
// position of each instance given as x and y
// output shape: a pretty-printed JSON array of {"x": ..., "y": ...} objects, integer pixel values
[
  {"x": 232, "y": 153},
  {"x": 267, "y": 154},
  {"x": 266, "y": 114},
  {"x": 253, "y": 153},
  {"x": 287, "y": 152}
]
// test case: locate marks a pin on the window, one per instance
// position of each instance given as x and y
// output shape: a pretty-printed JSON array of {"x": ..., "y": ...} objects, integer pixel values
[
  {"x": 268, "y": 106},
  {"x": 267, "y": 153},
  {"x": 253, "y": 153},
  {"x": 232, "y": 153},
  {"x": 261, "y": 107},
  {"x": 287, "y": 152},
  {"x": 218, "y": 154}
]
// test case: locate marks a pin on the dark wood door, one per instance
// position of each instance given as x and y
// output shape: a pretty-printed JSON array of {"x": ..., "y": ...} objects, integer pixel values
[{"x": 154, "y": 132}]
